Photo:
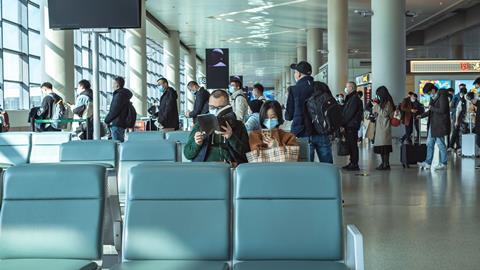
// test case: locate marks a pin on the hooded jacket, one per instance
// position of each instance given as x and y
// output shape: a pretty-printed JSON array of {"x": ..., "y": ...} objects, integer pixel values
[
  {"x": 46, "y": 109},
  {"x": 119, "y": 108},
  {"x": 439, "y": 115}
]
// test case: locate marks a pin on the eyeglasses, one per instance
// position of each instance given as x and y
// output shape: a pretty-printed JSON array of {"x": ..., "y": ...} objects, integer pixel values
[{"x": 216, "y": 108}]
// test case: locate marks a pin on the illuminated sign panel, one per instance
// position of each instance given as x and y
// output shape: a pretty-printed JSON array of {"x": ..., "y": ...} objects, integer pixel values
[{"x": 447, "y": 66}]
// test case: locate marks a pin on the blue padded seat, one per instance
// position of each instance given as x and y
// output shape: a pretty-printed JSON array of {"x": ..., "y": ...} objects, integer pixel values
[
  {"x": 181, "y": 137},
  {"x": 178, "y": 136},
  {"x": 51, "y": 216},
  {"x": 132, "y": 153},
  {"x": 46, "y": 146},
  {"x": 145, "y": 135},
  {"x": 101, "y": 152},
  {"x": 14, "y": 148},
  {"x": 296, "y": 209},
  {"x": 290, "y": 265},
  {"x": 177, "y": 217}
]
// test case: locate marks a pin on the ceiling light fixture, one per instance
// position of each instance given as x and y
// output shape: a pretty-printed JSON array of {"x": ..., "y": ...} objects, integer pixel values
[
  {"x": 262, "y": 8},
  {"x": 364, "y": 12},
  {"x": 411, "y": 14}
]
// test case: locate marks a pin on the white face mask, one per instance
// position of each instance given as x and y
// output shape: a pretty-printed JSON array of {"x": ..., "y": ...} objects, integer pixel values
[{"x": 346, "y": 90}]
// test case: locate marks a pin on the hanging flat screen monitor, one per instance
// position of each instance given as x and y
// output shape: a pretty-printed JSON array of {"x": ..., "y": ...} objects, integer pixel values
[
  {"x": 217, "y": 68},
  {"x": 76, "y": 14}
]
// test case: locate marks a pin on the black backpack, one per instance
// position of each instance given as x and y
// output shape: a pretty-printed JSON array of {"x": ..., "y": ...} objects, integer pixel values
[
  {"x": 325, "y": 112},
  {"x": 131, "y": 116}
]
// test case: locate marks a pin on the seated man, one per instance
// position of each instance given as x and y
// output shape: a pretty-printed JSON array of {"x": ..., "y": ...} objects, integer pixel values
[{"x": 228, "y": 146}]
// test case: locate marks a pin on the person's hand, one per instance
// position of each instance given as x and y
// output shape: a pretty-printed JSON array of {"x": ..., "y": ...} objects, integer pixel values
[
  {"x": 227, "y": 131},
  {"x": 187, "y": 114},
  {"x": 269, "y": 141},
  {"x": 342, "y": 129},
  {"x": 457, "y": 125},
  {"x": 199, "y": 138},
  {"x": 414, "y": 111},
  {"x": 419, "y": 116}
]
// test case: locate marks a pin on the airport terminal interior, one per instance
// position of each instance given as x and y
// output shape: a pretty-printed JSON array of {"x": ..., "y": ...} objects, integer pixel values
[{"x": 243, "y": 135}]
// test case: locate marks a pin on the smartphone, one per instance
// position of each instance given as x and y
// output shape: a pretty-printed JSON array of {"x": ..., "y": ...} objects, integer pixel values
[{"x": 267, "y": 133}]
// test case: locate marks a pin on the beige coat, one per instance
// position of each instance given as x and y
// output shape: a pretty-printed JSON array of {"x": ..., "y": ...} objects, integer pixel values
[{"x": 383, "y": 128}]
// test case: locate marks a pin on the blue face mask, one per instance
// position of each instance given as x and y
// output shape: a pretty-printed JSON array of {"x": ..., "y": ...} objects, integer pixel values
[
  {"x": 231, "y": 89},
  {"x": 161, "y": 88},
  {"x": 214, "y": 111},
  {"x": 270, "y": 123}
]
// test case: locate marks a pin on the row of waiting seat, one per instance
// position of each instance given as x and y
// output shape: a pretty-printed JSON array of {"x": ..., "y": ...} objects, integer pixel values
[
  {"x": 180, "y": 217},
  {"x": 26, "y": 147}
]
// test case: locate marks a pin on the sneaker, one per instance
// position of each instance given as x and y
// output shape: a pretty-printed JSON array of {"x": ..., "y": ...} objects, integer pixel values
[
  {"x": 440, "y": 167},
  {"x": 424, "y": 166},
  {"x": 353, "y": 168}
]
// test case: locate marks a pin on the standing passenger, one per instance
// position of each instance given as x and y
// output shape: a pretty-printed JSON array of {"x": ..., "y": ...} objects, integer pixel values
[
  {"x": 383, "y": 110},
  {"x": 352, "y": 119},
  {"x": 168, "y": 109},
  {"x": 117, "y": 115},
  {"x": 200, "y": 106}
]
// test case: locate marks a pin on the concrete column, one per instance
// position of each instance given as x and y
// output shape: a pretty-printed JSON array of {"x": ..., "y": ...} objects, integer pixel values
[
  {"x": 136, "y": 66},
  {"x": 337, "y": 44},
  {"x": 457, "y": 46},
  {"x": 288, "y": 77},
  {"x": 191, "y": 73},
  {"x": 301, "y": 53},
  {"x": 389, "y": 56},
  {"x": 314, "y": 44},
  {"x": 172, "y": 59},
  {"x": 58, "y": 59}
]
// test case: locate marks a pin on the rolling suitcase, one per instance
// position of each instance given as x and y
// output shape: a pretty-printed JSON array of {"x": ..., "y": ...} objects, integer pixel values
[
  {"x": 469, "y": 146},
  {"x": 411, "y": 154}
]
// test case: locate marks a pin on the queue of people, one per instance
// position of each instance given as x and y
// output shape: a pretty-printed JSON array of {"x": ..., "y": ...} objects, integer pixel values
[{"x": 250, "y": 127}]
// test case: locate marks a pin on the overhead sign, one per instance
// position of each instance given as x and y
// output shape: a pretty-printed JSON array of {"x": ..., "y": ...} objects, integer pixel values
[
  {"x": 445, "y": 66},
  {"x": 363, "y": 79}
]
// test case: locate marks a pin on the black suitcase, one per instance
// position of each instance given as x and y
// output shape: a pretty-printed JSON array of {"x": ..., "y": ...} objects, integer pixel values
[{"x": 411, "y": 154}]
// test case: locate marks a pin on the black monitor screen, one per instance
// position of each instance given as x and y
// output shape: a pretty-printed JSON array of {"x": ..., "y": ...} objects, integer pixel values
[
  {"x": 217, "y": 68},
  {"x": 75, "y": 14}
]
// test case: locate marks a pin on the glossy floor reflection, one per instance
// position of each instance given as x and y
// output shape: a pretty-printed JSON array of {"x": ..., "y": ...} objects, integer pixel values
[{"x": 414, "y": 219}]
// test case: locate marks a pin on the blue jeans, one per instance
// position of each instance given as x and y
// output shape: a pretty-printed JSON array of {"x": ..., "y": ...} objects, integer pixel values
[
  {"x": 118, "y": 133},
  {"x": 431, "y": 141},
  {"x": 322, "y": 145}
]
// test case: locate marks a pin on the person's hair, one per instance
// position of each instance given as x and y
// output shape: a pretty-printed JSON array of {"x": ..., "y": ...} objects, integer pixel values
[
  {"x": 477, "y": 81},
  {"x": 192, "y": 83},
  {"x": 462, "y": 84},
  {"x": 120, "y": 81},
  {"x": 162, "y": 80},
  {"x": 451, "y": 90},
  {"x": 85, "y": 84},
  {"x": 321, "y": 88},
  {"x": 220, "y": 93},
  {"x": 429, "y": 87},
  {"x": 354, "y": 85},
  {"x": 255, "y": 105},
  {"x": 470, "y": 96},
  {"x": 276, "y": 107},
  {"x": 415, "y": 95},
  {"x": 385, "y": 97},
  {"x": 237, "y": 82},
  {"x": 411, "y": 93},
  {"x": 47, "y": 85},
  {"x": 360, "y": 94},
  {"x": 259, "y": 87},
  {"x": 463, "y": 90}
]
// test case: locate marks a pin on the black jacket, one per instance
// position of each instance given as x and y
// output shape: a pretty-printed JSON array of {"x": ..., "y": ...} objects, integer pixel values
[
  {"x": 46, "y": 109},
  {"x": 168, "y": 109},
  {"x": 352, "y": 111},
  {"x": 439, "y": 115},
  {"x": 201, "y": 103},
  {"x": 119, "y": 108},
  {"x": 477, "y": 119},
  {"x": 295, "y": 111}
]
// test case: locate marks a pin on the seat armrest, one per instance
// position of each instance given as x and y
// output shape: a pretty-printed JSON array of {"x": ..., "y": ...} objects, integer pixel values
[
  {"x": 117, "y": 222},
  {"x": 354, "y": 258}
]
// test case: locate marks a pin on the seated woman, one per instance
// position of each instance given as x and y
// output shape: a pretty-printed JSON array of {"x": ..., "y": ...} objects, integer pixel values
[{"x": 271, "y": 135}]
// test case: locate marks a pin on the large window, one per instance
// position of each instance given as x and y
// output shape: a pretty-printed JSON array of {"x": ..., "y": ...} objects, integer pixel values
[
  {"x": 155, "y": 69},
  {"x": 183, "y": 87},
  {"x": 20, "y": 47},
  {"x": 111, "y": 62}
]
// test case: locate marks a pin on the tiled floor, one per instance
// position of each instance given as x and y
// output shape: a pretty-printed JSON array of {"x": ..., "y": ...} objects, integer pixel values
[{"x": 413, "y": 219}]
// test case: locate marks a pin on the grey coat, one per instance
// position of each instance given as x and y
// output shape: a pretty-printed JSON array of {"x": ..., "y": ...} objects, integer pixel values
[{"x": 383, "y": 128}]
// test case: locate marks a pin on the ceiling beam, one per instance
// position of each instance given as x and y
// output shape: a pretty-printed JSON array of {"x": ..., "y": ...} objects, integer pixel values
[{"x": 461, "y": 21}]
